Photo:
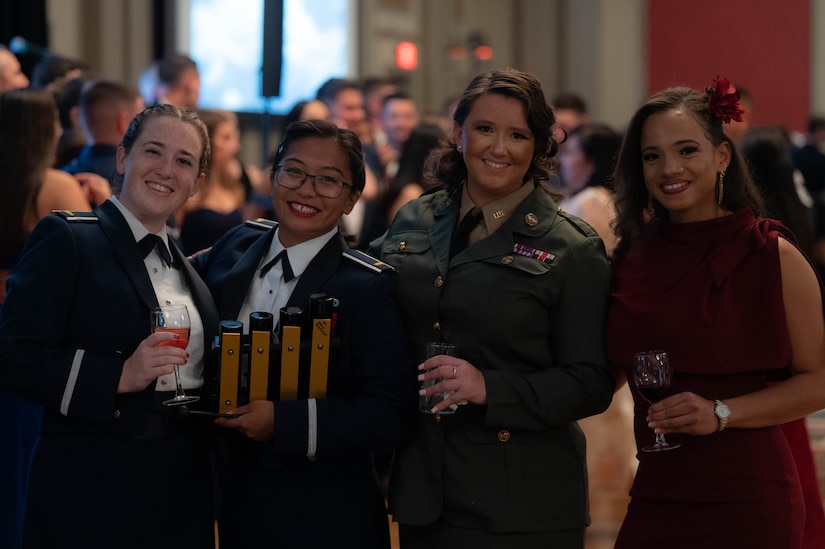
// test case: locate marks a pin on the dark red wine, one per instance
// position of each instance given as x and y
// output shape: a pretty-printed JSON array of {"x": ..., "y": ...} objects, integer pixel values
[{"x": 654, "y": 394}]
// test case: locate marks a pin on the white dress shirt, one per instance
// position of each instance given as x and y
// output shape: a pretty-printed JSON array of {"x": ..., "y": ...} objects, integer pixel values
[
  {"x": 171, "y": 289},
  {"x": 271, "y": 292}
]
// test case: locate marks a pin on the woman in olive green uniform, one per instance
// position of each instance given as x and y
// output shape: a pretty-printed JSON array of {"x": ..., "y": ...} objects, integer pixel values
[{"x": 524, "y": 302}]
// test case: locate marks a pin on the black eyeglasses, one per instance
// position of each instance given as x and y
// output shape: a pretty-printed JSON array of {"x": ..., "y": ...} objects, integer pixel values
[{"x": 325, "y": 185}]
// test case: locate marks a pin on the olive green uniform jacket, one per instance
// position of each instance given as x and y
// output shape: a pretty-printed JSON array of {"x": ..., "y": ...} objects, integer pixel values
[{"x": 534, "y": 325}]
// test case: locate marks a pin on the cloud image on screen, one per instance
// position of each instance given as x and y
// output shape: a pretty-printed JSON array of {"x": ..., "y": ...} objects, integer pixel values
[{"x": 226, "y": 41}]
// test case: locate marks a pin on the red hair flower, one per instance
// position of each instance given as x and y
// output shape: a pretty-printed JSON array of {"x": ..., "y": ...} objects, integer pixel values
[{"x": 723, "y": 101}]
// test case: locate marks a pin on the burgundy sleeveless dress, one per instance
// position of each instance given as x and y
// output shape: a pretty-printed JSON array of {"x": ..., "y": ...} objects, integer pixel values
[{"x": 709, "y": 293}]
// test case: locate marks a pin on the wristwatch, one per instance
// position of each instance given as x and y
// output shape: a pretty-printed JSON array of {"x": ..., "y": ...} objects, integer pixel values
[{"x": 722, "y": 414}]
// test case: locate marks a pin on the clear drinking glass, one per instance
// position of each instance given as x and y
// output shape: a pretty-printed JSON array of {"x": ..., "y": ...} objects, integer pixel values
[
  {"x": 426, "y": 403},
  {"x": 174, "y": 319}
]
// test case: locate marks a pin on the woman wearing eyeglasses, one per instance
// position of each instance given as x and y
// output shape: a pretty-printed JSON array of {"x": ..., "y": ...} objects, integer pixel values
[{"x": 299, "y": 472}]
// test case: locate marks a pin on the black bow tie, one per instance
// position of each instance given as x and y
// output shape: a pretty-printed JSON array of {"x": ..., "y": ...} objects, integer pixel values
[
  {"x": 152, "y": 241},
  {"x": 287, "y": 268}
]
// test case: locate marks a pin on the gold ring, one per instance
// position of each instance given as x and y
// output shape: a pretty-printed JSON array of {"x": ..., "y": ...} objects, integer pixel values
[{"x": 454, "y": 370}]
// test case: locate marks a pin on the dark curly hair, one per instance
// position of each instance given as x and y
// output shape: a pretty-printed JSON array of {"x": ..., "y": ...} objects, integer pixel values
[{"x": 632, "y": 198}]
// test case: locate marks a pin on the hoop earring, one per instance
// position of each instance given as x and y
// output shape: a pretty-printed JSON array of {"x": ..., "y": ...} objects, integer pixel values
[
  {"x": 650, "y": 207},
  {"x": 720, "y": 187}
]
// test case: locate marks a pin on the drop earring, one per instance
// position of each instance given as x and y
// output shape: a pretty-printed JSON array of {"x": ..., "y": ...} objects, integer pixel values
[{"x": 720, "y": 187}]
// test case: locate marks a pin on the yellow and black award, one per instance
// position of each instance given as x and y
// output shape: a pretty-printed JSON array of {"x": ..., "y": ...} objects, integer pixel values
[
  {"x": 290, "y": 336},
  {"x": 320, "y": 311},
  {"x": 287, "y": 362},
  {"x": 230, "y": 348},
  {"x": 260, "y": 342}
]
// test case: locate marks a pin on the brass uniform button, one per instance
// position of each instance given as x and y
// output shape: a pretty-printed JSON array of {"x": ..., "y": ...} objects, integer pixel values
[
  {"x": 504, "y": 435},
  {"x": 402, "y": 246},
  {"x": 507, "y": 259},
  {"x": 531, "y": 219},
  {"x": 436, "y": 418},
  {"x": 436, "y": 325},
  {"x": 439, "y": 282}
]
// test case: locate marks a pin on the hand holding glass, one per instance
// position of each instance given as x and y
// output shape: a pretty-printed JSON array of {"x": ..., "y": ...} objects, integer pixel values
[
  {"x": 174, "y": 319},
  {"x": 426, "y": 402},
  {"x": 652, "y": 375}
]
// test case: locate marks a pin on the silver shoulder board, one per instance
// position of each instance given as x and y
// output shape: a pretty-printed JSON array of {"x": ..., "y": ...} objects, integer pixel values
[
  {"x": 359, "y": 257},
  {"x": 76, "y": 217},
  {"x": 261, "y": 223}
]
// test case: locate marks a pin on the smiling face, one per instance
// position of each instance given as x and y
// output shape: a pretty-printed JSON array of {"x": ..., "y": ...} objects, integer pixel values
[
  {"x": 302, "y": 213},
  {"x": 680, "y": 165},
  {"x": 497, "y": 145},
  {"x": 161, "y": 170}
]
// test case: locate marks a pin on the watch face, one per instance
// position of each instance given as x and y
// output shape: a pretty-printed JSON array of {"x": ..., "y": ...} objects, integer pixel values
[{"x": 722, "y": 410}]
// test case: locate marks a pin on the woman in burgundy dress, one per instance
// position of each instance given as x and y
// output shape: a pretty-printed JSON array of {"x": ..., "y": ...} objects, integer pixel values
[{"x": 700, "y": 274}]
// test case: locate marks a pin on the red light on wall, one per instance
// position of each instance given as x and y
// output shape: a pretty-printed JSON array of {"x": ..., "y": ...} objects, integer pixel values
[
  {"x": 406, "y": 56},
  {"x": 485, "y": 53}
]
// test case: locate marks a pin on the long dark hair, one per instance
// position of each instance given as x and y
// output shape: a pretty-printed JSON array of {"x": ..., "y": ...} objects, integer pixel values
[
  {"x": 632, "y": 199},
  {"x": 423, "y": 139},
  {"x": 768, "y": 154},
  {"x": 445, "y": 166},
  {"x": 600, "y": 144},
  {"x": 27, "y": 145}
]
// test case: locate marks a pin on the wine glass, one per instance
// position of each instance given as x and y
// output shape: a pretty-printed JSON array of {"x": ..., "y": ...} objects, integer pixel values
[
  {"x": 652, "y": 375},
  {"x": 174, "y": 319}
]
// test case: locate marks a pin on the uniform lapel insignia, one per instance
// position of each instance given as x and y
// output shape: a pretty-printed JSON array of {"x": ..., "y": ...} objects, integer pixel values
[{"x": 544, "y": 257}]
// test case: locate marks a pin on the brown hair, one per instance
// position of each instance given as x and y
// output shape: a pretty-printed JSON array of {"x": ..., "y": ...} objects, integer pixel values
[
  {"x": 138, "y": 124},
  {"x": 28, "y": 134},
  {"x": 445, "y": 165}
]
